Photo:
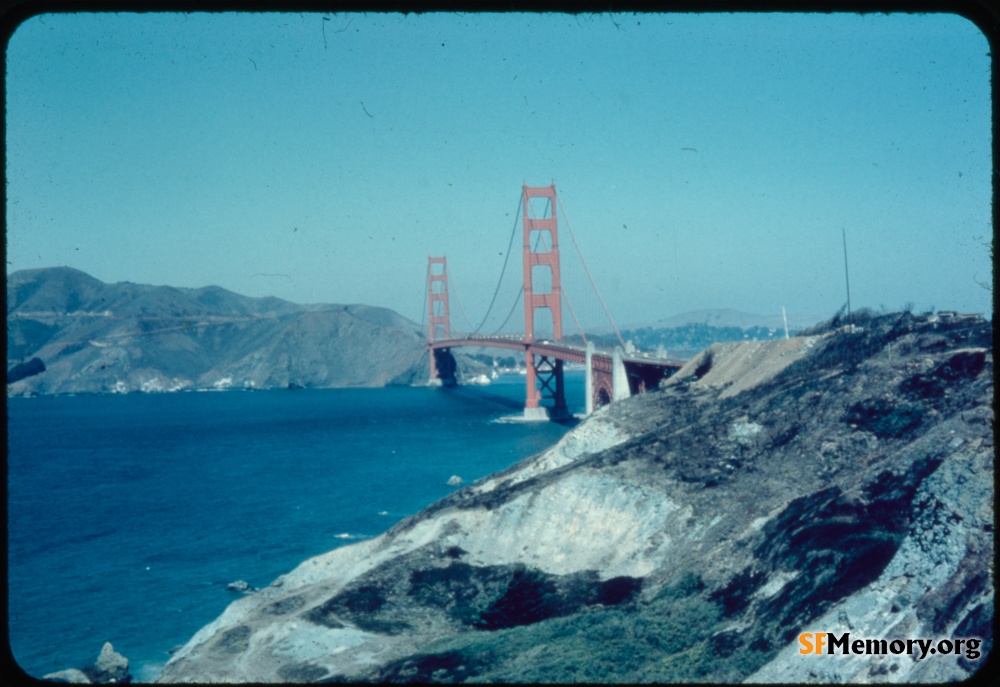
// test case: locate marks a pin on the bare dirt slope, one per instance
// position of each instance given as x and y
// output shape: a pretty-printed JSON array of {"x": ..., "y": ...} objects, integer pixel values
[{"x": 738, "y": 366}]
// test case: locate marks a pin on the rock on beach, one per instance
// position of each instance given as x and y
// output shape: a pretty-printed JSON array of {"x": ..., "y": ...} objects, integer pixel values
[{"x": 110, "y": 668}]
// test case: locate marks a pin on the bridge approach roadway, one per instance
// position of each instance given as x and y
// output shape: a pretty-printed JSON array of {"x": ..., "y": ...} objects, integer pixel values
[{"x": 611, "y": 373}]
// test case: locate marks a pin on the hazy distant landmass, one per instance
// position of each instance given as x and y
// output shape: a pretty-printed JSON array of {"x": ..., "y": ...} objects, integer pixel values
[
  {"x": 728, "y": 317},
  {"x": 68, "y": 332},
  {"x": 75, "y": 334},
  {"x": 687, "y": 334}
]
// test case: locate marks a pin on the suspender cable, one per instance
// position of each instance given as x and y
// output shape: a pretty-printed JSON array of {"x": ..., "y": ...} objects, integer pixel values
[
  {"x": 521, "y": 290},
  {"x": 585, "y": 269}
]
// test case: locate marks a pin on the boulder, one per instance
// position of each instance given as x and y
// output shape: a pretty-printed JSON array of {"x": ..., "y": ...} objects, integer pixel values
[
  {"x": 241, "y": 586},
  {"x": 70, "y": 675},
  {"x": 455, "y": 481},
  {"x": 110, "y": 667}
]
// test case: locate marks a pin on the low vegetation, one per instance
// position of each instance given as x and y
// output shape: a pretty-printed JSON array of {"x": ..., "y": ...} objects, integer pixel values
[{"x": 852, "y": 479}]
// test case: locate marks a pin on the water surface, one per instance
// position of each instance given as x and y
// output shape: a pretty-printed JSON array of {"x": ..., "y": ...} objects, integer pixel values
[{"x": 129, "y": 514}]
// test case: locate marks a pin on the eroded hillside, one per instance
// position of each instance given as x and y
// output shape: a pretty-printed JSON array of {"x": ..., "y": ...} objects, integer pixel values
[{"x": 837, "y": 482}]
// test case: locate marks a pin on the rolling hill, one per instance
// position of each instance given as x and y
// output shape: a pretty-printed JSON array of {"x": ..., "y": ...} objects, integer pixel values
[{"x": 90, "y": 336}]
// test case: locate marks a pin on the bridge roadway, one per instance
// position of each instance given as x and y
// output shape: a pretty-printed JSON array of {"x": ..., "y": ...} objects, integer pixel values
[
  {"x": 611, "y": 374},
  {"x": 564, "y": 351}
]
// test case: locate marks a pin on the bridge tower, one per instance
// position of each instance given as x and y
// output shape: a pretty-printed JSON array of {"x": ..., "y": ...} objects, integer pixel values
[
  {"x": 541, "y": 262},
  {"x": 442, "y": 364}
]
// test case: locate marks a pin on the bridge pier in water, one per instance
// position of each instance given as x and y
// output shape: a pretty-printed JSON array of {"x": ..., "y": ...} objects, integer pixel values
[
  {"x": 443, "y": 368},
  {"x": 545, "y": 381}
]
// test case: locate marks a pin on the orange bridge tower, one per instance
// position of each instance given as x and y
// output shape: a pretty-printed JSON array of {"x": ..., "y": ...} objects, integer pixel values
[
  {"x": 543, "y": 298},
  {"x": 442, "y": 364}
]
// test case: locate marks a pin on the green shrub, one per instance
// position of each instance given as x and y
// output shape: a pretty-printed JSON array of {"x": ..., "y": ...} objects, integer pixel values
[
  {"x": 704, "y": 365},
  {"x": 688, "y": 585},
  {"x": 24, "y": 370}
]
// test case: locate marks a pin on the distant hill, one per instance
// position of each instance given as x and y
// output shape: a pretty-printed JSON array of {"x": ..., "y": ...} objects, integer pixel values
[
  {"x": 728, "y": 317},
  {"x": 95, "y": 337},
  {"x": 685, "y": 335}
]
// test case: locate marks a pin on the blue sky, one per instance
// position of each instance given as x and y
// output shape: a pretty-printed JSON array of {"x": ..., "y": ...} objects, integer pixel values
[{"x": 703, "y": 161}]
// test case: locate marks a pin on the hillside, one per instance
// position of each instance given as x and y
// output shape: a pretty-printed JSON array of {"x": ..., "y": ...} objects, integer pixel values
[
  {"x": 70, "y": 333},
  {"x": 838, "y": 482}
]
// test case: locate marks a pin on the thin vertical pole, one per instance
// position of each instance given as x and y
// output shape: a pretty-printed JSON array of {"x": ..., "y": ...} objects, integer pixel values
[
  {"x": 589, "y": 383},
  {"x": 847, "y": 278}
]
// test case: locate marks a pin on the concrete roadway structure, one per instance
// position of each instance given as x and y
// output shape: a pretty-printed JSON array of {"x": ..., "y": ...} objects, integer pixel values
[{"x": 611, "y": 374}]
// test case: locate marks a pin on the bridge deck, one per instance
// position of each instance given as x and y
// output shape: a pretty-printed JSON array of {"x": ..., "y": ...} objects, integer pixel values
[{"x": 563, "y": 351}]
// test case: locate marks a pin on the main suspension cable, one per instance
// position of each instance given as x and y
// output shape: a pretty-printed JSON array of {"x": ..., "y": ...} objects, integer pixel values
[
  {"x": 585, "y": 269},
  {"x": 512, "y": 308},
  {"x": 453, "y": 291},
  {"x": 506, "y": 258},
  {"x": 573, "y": 314},
  {"x": 520, "y": 292}
]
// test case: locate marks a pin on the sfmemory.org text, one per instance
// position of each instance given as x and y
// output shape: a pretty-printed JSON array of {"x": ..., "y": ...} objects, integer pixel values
[{"x": 830, "y": 643}]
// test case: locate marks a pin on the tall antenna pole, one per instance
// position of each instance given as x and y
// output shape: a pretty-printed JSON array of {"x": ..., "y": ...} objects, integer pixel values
[{"x": 847, "y": 278}]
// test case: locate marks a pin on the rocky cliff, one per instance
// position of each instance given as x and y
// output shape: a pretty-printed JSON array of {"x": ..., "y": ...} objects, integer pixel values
[
  {"x": 839, "y": 482},
  {"x": 68, "y": 332}
]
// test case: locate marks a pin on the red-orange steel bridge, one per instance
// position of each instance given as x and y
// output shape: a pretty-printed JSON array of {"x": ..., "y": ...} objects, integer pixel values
[{"x": 612, "y": 374}]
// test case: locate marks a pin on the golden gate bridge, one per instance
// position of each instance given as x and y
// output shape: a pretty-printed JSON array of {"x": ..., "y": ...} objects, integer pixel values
[{"x": 612, "y": 373}]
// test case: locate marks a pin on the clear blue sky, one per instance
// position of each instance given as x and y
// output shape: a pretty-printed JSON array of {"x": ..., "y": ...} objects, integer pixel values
[{"x": 703, "y": 161}]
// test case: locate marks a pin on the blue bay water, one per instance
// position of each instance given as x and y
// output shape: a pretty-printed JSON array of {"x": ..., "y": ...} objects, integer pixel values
[{"x": 129, "y": 514}]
